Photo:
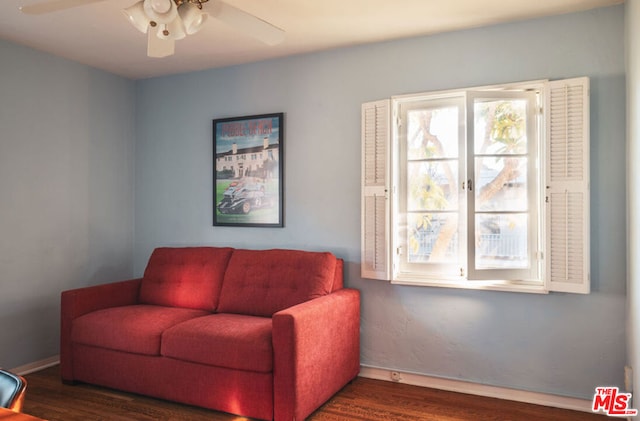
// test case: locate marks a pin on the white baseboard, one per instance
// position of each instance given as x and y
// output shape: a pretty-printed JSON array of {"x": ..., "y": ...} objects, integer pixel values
[
  {"x": 37, "y": 365},
  {"x": 476, "y": 389}
]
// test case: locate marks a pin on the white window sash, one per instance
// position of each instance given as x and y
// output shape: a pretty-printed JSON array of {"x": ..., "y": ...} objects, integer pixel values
[
  {"x": 438, "y": 271},
  {"x": 533, "y": 273}
]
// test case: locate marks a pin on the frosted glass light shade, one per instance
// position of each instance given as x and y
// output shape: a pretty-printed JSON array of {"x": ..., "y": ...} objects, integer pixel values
[
  {"x": 193, "y": 18},
  {"x": 138, "y": 18},
  {"x": 161, "y": 11}
]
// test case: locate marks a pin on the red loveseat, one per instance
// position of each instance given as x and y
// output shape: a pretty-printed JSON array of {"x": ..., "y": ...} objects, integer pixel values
[{"x": 268, "y": 334}]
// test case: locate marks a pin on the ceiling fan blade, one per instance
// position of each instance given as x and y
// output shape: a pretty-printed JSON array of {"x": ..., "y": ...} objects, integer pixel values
[
  {"x": 53, "y": 6},
  {"x": 157, "y": 47},
  {"x": 245, "y": 22}
]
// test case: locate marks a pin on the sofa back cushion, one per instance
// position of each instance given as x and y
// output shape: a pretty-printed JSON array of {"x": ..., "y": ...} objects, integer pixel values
[
  {"x": 188, "y": 277},
  {"x": 263, "y": 282}
]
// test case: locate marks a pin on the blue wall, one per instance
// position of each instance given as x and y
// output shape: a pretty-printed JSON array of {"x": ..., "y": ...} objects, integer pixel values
[
  {"x": 66, "y": 192},
  {"x": 559, "y": 343}
]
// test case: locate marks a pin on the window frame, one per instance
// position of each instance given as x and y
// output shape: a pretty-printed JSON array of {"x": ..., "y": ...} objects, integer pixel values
[{"x": 576, "y": 280}]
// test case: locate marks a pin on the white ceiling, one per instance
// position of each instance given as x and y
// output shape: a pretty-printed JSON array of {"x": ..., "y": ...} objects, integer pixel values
[{"x": 99, "y": 35}]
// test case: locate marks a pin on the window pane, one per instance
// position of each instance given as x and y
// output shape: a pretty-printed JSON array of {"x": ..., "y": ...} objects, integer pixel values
[
  {"x": 432, "y": 185},
  {"x": 501, "y": 184},
  {"x": 432, "y": 238},
  {"x": 500, "y": 127},
  {"x": 501, "y": 241},
  {"x": 432, "y": 133}
]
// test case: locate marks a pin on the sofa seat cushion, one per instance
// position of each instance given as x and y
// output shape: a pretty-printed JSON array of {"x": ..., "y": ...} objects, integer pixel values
[
  {"x": 136, "y": 328},
  {"x": 263, "y": 282},
  {"x": 224, "y": 340},
  {"x": 189, "y": 277}
]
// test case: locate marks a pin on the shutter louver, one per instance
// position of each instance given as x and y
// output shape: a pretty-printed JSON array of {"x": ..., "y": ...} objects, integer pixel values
[
  {"x": 375, "y": 181},
  {"x": 568, "y": 249}
]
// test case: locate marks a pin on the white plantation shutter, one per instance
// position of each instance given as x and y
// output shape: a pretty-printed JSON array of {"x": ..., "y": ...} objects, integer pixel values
[
  {"x": 376, "y": 133},
  {"x": 567, "y": 193}
]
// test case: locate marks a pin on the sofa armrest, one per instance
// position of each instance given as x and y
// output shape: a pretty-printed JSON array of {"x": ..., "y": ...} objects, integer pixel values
[
  {"x": 76, "y": 302},
  {"x": 316, "y": 348}
]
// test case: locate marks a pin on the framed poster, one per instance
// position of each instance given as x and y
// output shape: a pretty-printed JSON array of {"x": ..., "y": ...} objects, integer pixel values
[{"x": 248, "y": 174}]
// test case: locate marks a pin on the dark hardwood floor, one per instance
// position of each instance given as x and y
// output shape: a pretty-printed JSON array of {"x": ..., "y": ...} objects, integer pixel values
[{"x": 363, "y": 399}]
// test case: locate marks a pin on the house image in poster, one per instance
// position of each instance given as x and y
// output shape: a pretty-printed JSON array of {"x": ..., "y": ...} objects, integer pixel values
[{"x": 255, "y": 161}]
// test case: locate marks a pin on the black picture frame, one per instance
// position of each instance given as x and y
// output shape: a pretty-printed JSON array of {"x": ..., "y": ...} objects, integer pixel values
[{"x": 248, "y": 171}]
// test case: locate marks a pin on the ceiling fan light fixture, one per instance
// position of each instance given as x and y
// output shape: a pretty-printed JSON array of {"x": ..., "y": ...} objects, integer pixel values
[
  {"x": 192, "y": 17},
  {"x": 137, "y": 16},
  {"x": 166, "y": 21},
  {"x": 161, "y": 11}
]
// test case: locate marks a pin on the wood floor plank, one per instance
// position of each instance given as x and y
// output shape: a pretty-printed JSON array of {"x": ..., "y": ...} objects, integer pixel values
[{"x": 362, "y": 400}]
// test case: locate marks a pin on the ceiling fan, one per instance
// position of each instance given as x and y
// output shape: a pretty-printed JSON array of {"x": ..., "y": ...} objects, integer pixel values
[{"x": 165, "y": 21}]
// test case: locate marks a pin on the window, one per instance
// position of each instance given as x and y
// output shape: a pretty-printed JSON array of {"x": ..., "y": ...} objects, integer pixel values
[{"x": 479, "y": 188}]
